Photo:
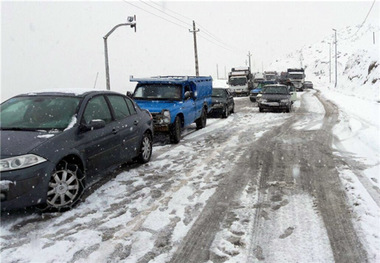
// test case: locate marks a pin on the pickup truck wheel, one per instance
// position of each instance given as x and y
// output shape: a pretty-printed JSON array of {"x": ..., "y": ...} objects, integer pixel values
[
  {"x": 175, "y": 131},
  {"x": 260, "y": 109},
  {"x": 145, "y": 148},
  {"x": 201, "y": 121}
]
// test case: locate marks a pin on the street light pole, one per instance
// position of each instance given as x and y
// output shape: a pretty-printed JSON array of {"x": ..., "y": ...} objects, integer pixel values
[
  {"x": 336, "y": 60},
  {"x": 131, "y": 24}
]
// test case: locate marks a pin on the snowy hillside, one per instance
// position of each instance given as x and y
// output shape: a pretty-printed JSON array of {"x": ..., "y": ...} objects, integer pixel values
[{"x": 358, "y": 62}]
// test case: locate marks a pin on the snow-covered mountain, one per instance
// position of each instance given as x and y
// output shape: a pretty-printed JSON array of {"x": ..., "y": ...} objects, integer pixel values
[{"x": 358, "y": 61}]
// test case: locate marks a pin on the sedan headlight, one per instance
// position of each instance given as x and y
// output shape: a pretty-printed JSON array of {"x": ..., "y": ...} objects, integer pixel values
[{"x": 20, "y": 162}]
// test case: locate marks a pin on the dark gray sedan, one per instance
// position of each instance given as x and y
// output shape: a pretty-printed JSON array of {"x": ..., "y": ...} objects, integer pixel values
[
  {"x": 275, "y": 97},
  {"x": 222, "y": 103},
  {"x": 50, "y": 142}
]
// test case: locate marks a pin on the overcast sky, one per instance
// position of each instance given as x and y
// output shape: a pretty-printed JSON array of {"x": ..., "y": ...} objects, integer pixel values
[{"x": 58, "y": 45}]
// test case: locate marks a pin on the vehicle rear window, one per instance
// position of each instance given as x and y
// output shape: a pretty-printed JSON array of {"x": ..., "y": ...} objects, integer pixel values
[{"x": 131, "y": 106}]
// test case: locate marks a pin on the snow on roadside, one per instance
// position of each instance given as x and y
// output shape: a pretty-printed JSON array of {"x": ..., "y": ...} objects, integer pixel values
[
  {"x": 366, "y": 212},
  {"x": 357, "y": 135}
]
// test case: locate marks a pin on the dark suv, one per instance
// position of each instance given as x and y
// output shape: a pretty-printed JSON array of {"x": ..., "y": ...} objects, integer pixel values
[
  {"x": 275, "y": 97},
  {"x": 50, "y": 142}
]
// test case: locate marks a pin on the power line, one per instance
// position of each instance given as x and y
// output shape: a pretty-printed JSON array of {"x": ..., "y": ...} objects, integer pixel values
[
  {"x": 125, "y": 1},
  {"x": 365, "y": 19},
  {"x": 222, "y": 45},
  {"x": 172, "y": 11},
  {"x": 165, "y": 13},
  {"x": 204, "y": 30}
]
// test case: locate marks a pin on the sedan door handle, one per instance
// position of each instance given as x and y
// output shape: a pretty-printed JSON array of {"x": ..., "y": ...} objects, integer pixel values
[
  {"x": 114, "y": 130},
  {"x": 136, "y": 122}
]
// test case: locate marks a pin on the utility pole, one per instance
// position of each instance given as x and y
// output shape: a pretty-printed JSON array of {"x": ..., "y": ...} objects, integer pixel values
[
  {"x": 194, "y": 31},
  {"x": 249, "y": 58},
  {"x": 329, "y": 62},
  {"x": 336, "y": 61},
  {"x": 132, "y": 25},
  {"x": 217, "y": 72}
]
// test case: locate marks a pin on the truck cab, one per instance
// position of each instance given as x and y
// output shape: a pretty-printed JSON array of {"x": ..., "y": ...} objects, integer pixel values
[{"x": 175, "y": 102}]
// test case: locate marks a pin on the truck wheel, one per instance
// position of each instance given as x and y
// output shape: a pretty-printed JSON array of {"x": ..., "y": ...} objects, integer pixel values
[
  {"x": 175, "y": 130},
  {"x": 260, "y": 109},
  {"x": 201, "y": 121}
]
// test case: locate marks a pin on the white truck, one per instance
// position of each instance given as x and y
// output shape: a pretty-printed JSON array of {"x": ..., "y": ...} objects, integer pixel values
[
  {"x": 297, "y": 77},
  {"x": 240, "y": 81}
]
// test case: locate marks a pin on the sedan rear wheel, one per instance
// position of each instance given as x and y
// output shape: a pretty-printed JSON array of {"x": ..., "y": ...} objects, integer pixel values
[{"x": 146, "y": 148}]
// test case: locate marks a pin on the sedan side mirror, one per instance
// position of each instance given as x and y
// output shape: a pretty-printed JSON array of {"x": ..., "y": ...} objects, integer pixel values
[
  {"x": 129, "y": 94},
  {"x": 93, "y": 125}
]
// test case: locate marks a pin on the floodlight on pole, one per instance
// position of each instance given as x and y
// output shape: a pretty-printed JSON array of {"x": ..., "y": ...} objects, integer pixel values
[{"x": 130, "y": 23}]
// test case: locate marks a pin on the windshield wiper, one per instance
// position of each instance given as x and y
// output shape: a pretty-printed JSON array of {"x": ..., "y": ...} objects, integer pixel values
[{"x": 17, "y": 129}]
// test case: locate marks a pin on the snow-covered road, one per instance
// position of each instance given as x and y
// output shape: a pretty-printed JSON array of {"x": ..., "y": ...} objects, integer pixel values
[{"x": 249, "y": 188}]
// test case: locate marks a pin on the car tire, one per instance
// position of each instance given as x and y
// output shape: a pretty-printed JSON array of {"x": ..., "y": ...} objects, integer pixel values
[
  {"x": 261, "y": 109},
  {"x": 175, "y": 130},
  {"x": 145, "y": 148},
  {"x": 233, "y": 109},
  {"x": 225, "y": 112},
  {"x": 66, "y": 187},
  {"x": 201, "y": 121}
]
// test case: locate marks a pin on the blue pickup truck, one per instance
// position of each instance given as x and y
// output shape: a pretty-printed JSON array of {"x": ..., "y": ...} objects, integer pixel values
[{"x": 174, "y": 102}]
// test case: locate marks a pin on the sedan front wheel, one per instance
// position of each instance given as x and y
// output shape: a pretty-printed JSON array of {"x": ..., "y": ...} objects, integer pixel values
[{"x": 66, "y": 186}]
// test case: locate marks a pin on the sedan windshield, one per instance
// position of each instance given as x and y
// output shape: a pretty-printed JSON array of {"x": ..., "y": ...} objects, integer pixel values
[
  {"x": 275, "y": 90},
  {"x": 218, "y": 93},
  {"x": 38, "y": 112},
  {"x": 158, "y": 92}
]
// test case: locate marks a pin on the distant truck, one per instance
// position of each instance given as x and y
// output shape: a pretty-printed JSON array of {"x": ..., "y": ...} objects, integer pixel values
[
  {"x": 283, "y": 77},
  {"x": 258, "y": 78},
  {"x": 297, "y": 77},
  {"x": 271, "y": 75},
  {"x": 174, "y": 102},
  {"x": 240, "y": 81}
]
